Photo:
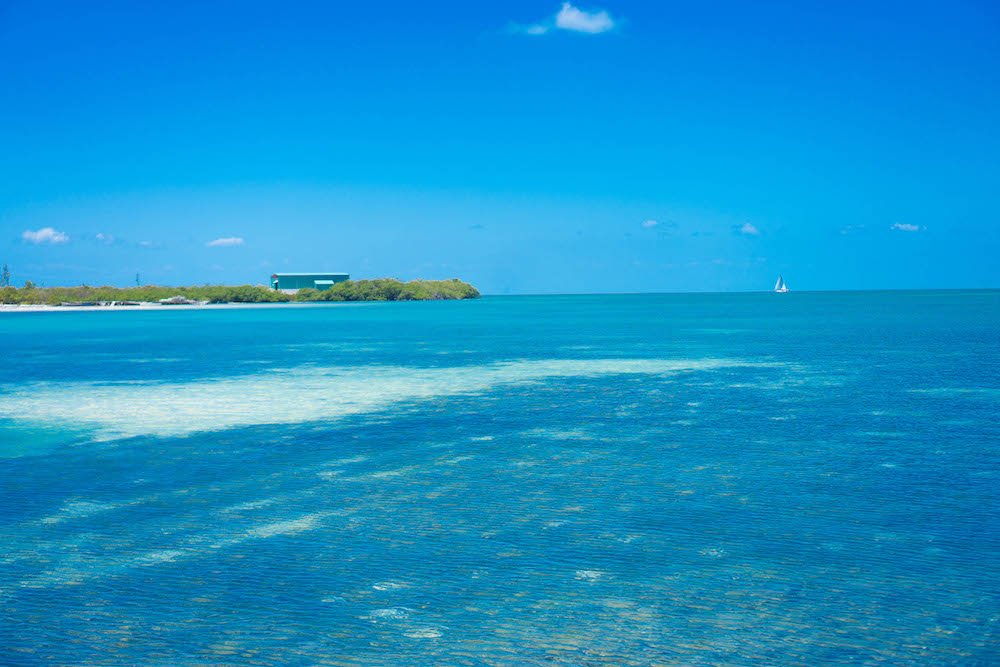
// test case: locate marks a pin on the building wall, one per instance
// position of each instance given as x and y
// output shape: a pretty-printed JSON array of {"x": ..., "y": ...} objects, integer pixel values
[{"x": 286, "y": 282}]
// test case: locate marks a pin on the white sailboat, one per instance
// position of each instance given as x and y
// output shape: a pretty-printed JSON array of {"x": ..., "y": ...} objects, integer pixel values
[{"x": 780, "y": 287}]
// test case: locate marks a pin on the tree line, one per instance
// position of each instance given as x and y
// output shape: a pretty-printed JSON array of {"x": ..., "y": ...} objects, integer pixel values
[{"x": 380, "y": 289}]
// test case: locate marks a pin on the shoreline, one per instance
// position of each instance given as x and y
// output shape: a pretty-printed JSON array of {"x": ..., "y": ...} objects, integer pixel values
[{"x": 149, "y": 306}]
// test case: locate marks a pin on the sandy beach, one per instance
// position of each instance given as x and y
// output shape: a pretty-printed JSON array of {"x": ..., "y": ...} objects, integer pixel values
[{"x": 40, "y": 308}]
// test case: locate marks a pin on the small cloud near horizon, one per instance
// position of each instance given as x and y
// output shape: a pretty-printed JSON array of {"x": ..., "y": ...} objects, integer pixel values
[
  {"x": 571, "y": 18},
  {"x": 906, "y": 227},
  {"x": 45, "y": 235},
  {"x": 649, "y": 224},
  {"x": 225, "y": 242},
  {"x": 748, "y": 230}
]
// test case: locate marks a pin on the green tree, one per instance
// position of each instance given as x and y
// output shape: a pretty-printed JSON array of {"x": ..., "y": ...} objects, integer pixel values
[{"x": 308, "y": 294}]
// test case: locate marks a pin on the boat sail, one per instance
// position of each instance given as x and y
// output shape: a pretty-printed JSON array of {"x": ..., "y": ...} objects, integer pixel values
[{"x": 780, "y": 286}]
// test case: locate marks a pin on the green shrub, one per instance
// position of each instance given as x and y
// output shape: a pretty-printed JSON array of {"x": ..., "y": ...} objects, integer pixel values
[{"x": 308, "y": 294}]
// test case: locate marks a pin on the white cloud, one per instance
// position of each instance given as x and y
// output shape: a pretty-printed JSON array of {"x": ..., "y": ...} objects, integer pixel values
[
  {"x": 225, "y": 242},
  {"x": 649, "y": 224},
  {"x": 105, "y": 238},
  {"x": 906, "y": 227},
  {"x": 570, "y": 18},
  {"x": 578, "y": 20},
  {"x": 45, "y": 235},
  {"x": 749, "y": 230},
  {"x": 537, "y": 29}
]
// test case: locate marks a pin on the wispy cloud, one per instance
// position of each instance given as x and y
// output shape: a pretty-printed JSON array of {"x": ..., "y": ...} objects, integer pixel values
[
  {"x": 45, "y": 235},
  {"x": 571, "y": 18},
  {"x": 851, "y": 229},
  {"x": 225, "y": 242},
  {"x": 578, "y": 20},
  {"x": 906, "y": 227},
  {"x": 535, "y": 29},
  {"x": 649, "y": 224},
  {"x": 748, "y": 230}
]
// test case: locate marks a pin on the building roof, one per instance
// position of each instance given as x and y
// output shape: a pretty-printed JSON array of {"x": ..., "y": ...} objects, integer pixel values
[{"x": 317, "y": 273}]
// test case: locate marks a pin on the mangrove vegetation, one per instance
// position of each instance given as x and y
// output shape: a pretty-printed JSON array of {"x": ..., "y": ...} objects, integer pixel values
[{"x": 381, "y": 289}]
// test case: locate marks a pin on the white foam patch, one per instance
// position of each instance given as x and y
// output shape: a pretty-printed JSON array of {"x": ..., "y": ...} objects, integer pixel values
[
  {"x": 390, "y": 614},
  {"x": 285, "y": 396},
  {"x": 76, "y": 569},
  {"x": 155, "y": 360},
  {"x": 77, "y": 509},
  {"x": 386, "y": 474},
  {"x": 423, "y": 633},
  {"x": 347, "y": 461},
  {"x": 291, "y": 527},
  {"x": 559, "y": 434},
  {"x": 249, "y": 506},
  {"x": 455, "y": 460},
  {"x": 390, "y": 585},
  {"x": 162, "y": 556},
  {"x": 713, "y": 552}
]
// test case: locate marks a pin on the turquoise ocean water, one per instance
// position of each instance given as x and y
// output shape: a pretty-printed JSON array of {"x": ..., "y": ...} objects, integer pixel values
[{"x": 799, "y": 479}]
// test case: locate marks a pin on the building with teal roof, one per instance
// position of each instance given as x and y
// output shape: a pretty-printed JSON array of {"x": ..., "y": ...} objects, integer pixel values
[{"x": 293, "y": 282}]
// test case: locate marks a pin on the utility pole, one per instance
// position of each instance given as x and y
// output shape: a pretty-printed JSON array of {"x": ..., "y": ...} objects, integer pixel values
[
  {"x": 137, "y": 284},
  {"x": 5, "y": 276}
]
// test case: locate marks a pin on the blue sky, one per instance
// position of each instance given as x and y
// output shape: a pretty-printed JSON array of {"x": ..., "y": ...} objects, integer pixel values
[{"x": 525, "y": 146}]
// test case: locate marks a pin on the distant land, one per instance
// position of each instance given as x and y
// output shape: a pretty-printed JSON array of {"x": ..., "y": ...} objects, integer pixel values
[{"x": 381, "y": 289}]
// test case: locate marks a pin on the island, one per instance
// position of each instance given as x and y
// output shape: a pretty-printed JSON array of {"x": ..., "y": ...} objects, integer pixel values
[{"x": 380, "y": 289}]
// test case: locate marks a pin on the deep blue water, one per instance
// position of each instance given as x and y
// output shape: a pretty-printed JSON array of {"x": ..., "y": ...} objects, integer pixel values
[{"x": 797, "y": 479}]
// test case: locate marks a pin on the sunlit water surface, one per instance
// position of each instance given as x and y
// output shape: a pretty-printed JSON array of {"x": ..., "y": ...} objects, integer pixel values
[{"x": 789, "y": 479}]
